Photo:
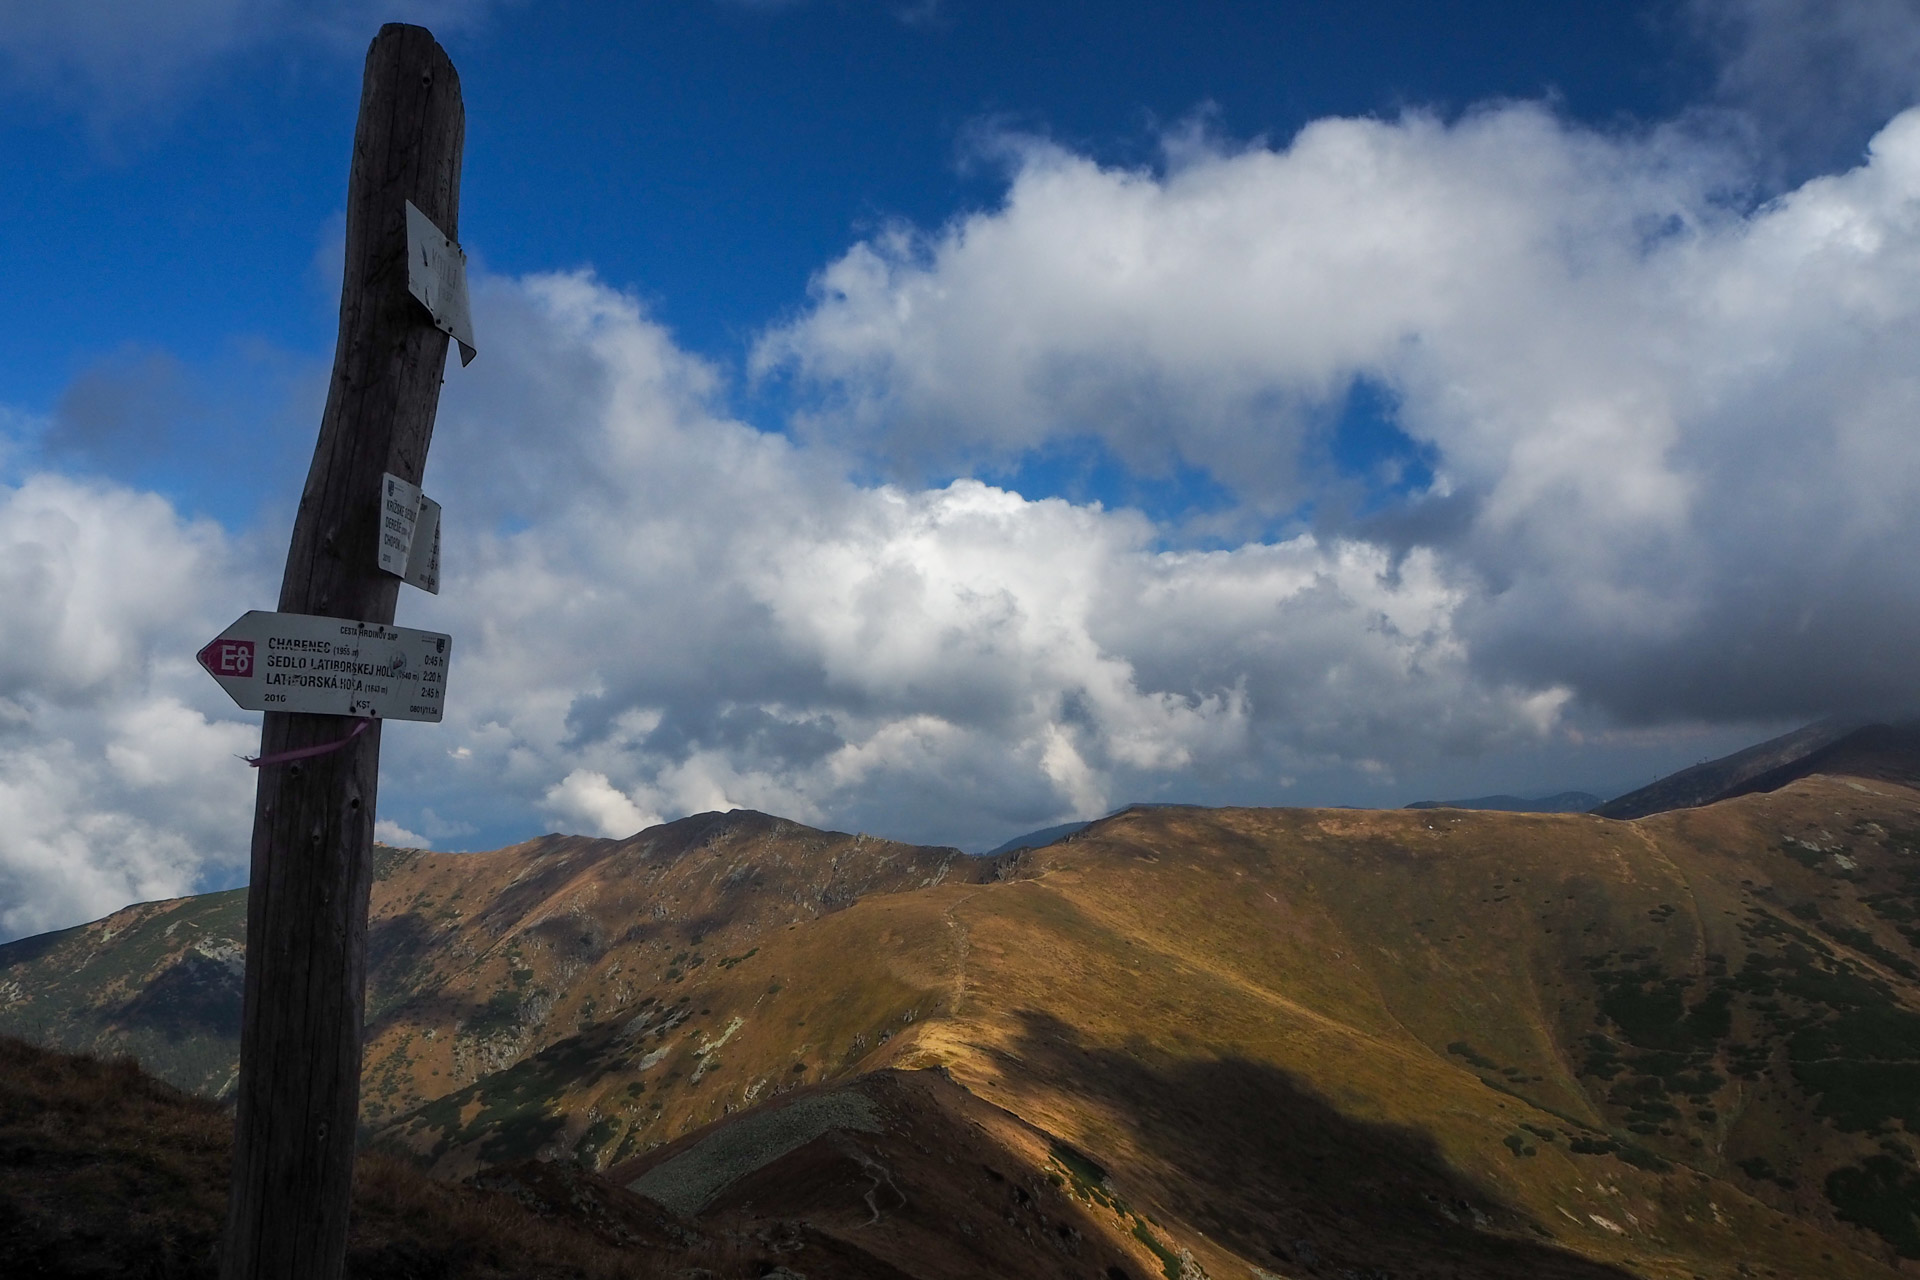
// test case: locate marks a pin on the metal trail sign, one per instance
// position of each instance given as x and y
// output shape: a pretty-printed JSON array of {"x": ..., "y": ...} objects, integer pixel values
[
  {"x": 437, "y": 276},
  {"x": 330, "y": 666}
]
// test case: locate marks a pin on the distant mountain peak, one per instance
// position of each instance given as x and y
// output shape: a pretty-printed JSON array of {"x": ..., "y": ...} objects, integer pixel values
[{"x": 1835, "y": 745}]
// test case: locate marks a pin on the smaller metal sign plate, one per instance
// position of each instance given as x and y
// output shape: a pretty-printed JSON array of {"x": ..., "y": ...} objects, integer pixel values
[
  {"x": 399, "y": 523},
  {"x": 330, "y": 666},
  {"x": 409, "y": 534},
  {"x": 437, "y": 276}
]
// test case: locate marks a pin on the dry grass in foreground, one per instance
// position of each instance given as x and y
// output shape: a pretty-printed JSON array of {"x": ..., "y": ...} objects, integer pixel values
[{"x": 105, "y": 1171}]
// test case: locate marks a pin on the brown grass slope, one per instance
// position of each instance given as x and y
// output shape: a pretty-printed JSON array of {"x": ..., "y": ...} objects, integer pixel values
[
  {"x": 942, "y": 1185},
  {"x": 475, "y": 960},
  {"x": 105, "y": 1171},
  {"x": 1290, "y": 1042},
  {"x": 1424, "y": 1043}
]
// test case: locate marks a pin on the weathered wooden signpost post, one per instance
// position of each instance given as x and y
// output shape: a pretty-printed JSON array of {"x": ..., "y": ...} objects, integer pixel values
[{"x": 329, "y": 666}]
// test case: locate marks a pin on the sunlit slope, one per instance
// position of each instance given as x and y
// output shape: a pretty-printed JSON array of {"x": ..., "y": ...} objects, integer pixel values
[
  {"x": 1679, "y": 1044},
  {"x": 474, "y": 960},
  {"x": 477, "y": 960}
]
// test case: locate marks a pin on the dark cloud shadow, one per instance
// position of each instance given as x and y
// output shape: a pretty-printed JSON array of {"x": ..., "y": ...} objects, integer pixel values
[
  {"x": 1812, "y": 79},
  {"x": 1270, "y": 1169},
  {"x": 195, "y": 997},
  {"x": 121, "y": 411}
]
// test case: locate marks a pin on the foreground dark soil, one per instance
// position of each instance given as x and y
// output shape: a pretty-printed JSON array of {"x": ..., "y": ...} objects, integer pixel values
[{"x": 107, "y": 1172}]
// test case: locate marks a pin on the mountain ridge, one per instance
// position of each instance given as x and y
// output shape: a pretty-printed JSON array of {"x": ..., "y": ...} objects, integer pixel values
[
  {"x": 1715, "y": 779},
  {"x": 1641, "y": 1046},
  {"x": 162, "y": 980},
  {"x": 1559, "y": 802}
]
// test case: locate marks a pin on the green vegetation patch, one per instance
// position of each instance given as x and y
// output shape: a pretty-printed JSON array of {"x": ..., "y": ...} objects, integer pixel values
[
  {"x": 1461, "y": 1049},
  {"x": 598, "y": 1135},
  {"x": 1890, "y": 906},
  {"x": 501, "y": 1013},
  {"x": 1862, "y": 1097},
  {"x": 1170, "y": 1264},
  {"x": 1881, "y": 1194},
  {"x": 1088, "y": 1176},
  {"x": 1761, "y": 1169},
  {"x": 1808, "y": 856},
  {"x": 1850, "y": 1041},
  {"x": 516, "y": 1116},
  {"x": 1641, "y": 1158},
  {"x": 1853, "y": 1047},
  {"x": 1603, "y": 1058},
  {"x": 1747, "y": 1061},
  {"x": 1648, "y": 1009},
  {"x": 1867, "y": 945}
]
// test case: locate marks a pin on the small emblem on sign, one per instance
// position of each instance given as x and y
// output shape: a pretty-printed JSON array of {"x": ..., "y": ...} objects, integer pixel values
[{"x": 437, "y": 276}]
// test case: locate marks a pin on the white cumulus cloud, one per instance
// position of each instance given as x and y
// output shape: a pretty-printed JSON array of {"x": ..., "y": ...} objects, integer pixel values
[
  {"x": 119, "y": 771},
  {"x": 660, "y": 610},
  {"x": 1672, "y": 434}
]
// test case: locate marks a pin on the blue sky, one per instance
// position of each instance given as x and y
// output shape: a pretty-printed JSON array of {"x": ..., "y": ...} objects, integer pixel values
[
  {"x": 711, "y": 156},
  {"x": 947, "y": 419}
]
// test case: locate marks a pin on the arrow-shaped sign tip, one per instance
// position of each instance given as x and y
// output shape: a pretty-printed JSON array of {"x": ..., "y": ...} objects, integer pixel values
[{"x": 228, "y": 658}]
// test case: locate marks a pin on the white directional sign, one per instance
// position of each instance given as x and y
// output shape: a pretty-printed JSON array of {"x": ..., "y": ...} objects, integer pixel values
[
  {"x": 409, "y": 533},
  {"x": 330, "y": 666},
  {"x": 399, "y": 517},
  {"x": 437, "y": 275}
]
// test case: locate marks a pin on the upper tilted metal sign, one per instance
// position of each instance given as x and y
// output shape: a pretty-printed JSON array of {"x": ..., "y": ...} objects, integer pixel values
[
  {"x": 437, "y": 276},
  {"x": 330, "y": 666}
]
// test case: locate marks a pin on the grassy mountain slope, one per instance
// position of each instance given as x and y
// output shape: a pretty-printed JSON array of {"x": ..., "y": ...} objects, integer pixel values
[
  {"x": 1559, "y": 802},
  {"x": 160, "y": 981},
  {"x": 1680, "y": 1046},
  {"x": 1183, "y": 1041},
  {"x": 107, "y": 1172},
  {"x": 474, "y": 960}
]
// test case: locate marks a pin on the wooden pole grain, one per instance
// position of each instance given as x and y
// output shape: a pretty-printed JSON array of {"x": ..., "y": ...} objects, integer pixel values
[{"x": 299, "y": 1082}]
